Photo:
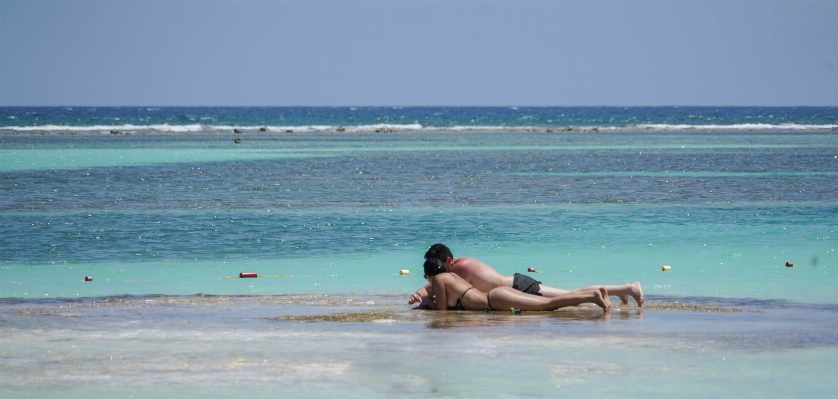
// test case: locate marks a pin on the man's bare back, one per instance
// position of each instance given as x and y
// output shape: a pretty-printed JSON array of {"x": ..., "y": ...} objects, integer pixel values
[{"x": 480, "y": 275}]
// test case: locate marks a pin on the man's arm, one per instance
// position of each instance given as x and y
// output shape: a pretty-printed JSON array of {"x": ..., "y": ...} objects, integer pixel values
[{"x": 425, "y": 292}]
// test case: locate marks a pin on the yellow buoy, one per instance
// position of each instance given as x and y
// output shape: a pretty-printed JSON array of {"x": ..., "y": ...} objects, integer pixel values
[
  {"x": 665, "y": 268},
  {"x": 404, "y": 272}
]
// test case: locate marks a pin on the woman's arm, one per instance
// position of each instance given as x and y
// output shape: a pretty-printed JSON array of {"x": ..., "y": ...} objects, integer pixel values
[
  {"x": 439, "y": 289},
  {"x": 425, "y": 292}
]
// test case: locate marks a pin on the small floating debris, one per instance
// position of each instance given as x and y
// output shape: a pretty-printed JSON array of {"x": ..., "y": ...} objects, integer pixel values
[
  {"x": 666, "y": 268},
  {"x": 404, "y": 272},
  {"x": 254, "y": 275}
]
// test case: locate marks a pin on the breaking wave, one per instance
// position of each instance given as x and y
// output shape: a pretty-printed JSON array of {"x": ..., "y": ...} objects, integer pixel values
[{"x": 415, "y": 127}]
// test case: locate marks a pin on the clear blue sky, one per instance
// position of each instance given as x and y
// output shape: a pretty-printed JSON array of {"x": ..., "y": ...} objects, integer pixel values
[{"x": 454, "y": 53}]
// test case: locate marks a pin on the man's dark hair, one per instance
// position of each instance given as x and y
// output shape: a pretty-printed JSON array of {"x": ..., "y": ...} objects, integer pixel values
[{"x": 439, "y": 252}]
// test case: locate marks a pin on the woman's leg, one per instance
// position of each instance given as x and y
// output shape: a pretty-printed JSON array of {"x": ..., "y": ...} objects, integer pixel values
[{"x": 503, "y": 298}]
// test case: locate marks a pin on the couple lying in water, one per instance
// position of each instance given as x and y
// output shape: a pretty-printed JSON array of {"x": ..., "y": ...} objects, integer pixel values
[{"x": 468, "y": 284}]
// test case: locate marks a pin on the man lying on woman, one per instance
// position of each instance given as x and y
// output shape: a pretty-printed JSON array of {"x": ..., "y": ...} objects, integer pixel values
[
  {"x": 485, "y": 278},
  {"x": 454, "y": 293}
]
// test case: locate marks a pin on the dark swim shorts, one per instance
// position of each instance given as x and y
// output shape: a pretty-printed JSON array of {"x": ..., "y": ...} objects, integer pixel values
[{"x": 526, "y": 284}]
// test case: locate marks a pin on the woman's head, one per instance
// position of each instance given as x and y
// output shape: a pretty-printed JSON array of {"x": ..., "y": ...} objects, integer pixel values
[{"x": 433, "y": 267}]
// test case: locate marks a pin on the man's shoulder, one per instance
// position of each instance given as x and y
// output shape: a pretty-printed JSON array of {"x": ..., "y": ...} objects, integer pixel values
[{"x": 469, "y": 263}]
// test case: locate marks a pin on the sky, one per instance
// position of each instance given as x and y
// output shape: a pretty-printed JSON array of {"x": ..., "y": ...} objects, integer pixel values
[{"x": 418, "y": 53}]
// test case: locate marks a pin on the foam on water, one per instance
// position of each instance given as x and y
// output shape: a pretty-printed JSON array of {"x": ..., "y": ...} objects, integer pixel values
[
  {"x": 737, "y": 126},
  {"x": 413, "y": 119},
  {"x": 106, "y": 128},
  {"x": 392, "y": 128}
]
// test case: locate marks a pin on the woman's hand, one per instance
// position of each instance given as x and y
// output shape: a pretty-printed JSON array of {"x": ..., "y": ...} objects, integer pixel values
[
  {"x": 415, "y": 298},
  {"x": 425, "y": 292}
]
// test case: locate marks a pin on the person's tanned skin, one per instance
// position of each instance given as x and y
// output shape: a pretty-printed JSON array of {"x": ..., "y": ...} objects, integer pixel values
[
  {"x": 450, "y": 287},
  {"x": 484, "y": 278}
]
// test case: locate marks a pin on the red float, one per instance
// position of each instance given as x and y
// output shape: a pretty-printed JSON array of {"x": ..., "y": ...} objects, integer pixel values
[{"x": 248, "y": 275}]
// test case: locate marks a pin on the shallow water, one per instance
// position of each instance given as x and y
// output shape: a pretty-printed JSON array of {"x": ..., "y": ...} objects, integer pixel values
[{"x": 220, "y": 346}]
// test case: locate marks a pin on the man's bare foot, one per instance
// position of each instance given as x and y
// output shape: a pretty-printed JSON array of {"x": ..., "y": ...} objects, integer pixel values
[
  {"x": 601, "y": 299},
  {"x": 623, "y": 298},
  {"x": 633, "y": 290},
  {"x": 636, "y": 292}
]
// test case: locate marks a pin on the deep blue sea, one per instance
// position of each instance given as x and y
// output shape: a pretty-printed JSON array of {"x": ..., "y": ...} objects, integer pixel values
[{"x": 164, "y": 207}]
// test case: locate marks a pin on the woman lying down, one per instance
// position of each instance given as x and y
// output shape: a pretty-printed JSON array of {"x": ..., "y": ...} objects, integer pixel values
[{"x": 454, "y": 293}]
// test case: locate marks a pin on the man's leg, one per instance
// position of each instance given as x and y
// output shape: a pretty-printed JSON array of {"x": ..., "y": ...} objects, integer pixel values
[
  {"x": 550, "y": 292},
  {"x": 622, "y": 291}
]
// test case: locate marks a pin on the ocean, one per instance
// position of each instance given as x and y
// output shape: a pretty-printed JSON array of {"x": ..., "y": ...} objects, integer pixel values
[{"x": 164, "y": 207}]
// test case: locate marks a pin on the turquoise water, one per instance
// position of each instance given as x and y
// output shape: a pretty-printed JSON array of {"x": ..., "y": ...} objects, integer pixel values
[
  {"x": 339, "y": 214},
  {"x": 714, "y": 250},
  {"x": 329, "y": 219}
]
